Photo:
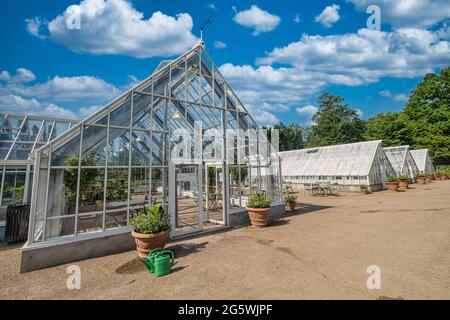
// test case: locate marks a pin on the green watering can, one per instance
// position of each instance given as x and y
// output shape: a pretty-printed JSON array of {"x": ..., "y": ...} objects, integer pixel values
[
  {"x": 160, "y": 262},
  {"x": 163, "y": 262},
  {"x": 150, "y": 261}
]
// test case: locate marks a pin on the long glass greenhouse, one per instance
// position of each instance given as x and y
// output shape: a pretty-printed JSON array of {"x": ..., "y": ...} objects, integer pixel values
[
  {"x": 402, "y": 161},
  {"x": 346, "y": 165},
  {"x": 20, "y": 137},
  {"x": 423, "y": 160},
  {"x": 181, "y": 138}
]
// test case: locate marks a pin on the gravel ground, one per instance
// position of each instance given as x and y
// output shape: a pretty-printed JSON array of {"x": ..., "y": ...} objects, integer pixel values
[{"x": 320, "y": 252}]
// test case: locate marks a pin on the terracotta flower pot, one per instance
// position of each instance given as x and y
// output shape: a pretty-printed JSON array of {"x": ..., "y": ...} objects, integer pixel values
[
  {"x": 393, "y": 186},
  {"x": 259, "y": 217},
  {"x": 364, "y": 191},
  {"x": 428, "y": 179},
  {"x": 403, "y": 184},
  {"x": 422, "y": 180},
  {"x": 291, "y": 206},
  {"x": 147, "y": 242}
]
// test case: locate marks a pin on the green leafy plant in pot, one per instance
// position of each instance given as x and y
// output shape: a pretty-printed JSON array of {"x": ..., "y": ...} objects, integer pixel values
[
  {"x": 364, "y": 188},
  {"x": 403, "y": 182},
  {"x": 258, "y": 208},
  {"x": 151, "y": 229},
  {"x": 421, "y": 178},
  {"x": 392, "y": 183},
  {"x": 290, "y": 202}
]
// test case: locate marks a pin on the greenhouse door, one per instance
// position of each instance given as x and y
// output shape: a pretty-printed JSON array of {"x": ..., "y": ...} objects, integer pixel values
[{"x": 186, "y": 197}]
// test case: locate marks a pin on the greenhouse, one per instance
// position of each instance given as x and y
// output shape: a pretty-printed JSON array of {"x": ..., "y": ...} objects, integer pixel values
[
  {"x": 347, "y": 166},
  {"x": 20, "y": 137},
  {"x": 402, "y": 161},
  {"x": 423, "y": 161},
  {"x": 180, "y": 138}
]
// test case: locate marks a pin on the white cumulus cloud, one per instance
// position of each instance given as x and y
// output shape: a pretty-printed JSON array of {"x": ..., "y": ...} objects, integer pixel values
[
  {"x": 20, "y": 93},
  {"x": 115, "y": 27},
  {"x": 408, "y": 13},
  {"x": 258, "y": 19},
  {"x": 396, "y": 97},
  {"x": 329, "y": 16},
  {"x": 19, "y": 105},
  {"x": 306, "y": 113},
  {"x": 366, "y": 56},
  {"x": 220, "y": 45}
]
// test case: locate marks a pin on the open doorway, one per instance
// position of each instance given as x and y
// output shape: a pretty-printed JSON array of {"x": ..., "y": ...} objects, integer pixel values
[{"x": 214, "y": 211}]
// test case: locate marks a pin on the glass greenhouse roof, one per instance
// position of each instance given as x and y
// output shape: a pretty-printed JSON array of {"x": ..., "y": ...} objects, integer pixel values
[
  {"x": 21, "y": 135},
  {"x": 423, "y": 160},
  {"x": 353, "y": 159},
  {"x": 401, "y": 160}
]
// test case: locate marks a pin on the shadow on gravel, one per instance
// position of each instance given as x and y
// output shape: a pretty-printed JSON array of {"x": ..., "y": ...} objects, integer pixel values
[
  {"x": 304, "y": 208},
  {"x": 185, "y": 249}
]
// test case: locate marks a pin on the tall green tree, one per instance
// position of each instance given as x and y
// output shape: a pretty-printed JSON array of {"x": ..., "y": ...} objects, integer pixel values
[
  {"x": 428, "y": 116},
  {"x": 390, "y": 127},
  {"x": 291, "y": 137},
  {"x": 335, "y": 123}
]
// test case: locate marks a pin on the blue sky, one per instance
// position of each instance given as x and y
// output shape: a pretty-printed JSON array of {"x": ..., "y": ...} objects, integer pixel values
[{"x": 278, "y": 55}]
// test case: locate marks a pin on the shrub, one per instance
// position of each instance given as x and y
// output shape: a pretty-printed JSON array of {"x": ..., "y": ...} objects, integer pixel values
[
  {"x": 363, "y": 187},
  {"x": 421, "y": 175},
  {"x": 289, "y": 199},
  {"x": 150, "y": 220},
  {"x": 260, "y": 201},
  {"x": 392, "y": 179},
  {"x": 403, "y": 178}
]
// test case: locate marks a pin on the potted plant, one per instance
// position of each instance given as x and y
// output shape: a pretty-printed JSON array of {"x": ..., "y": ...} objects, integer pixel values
[
  {"x": 290, "y": 202},
  {"x": 403, "y": 182},
  {"x": 440, "y": 175},
  {"x": 422, "y": 178},
  {"x": 428, "y": 178},
  {"x": 392, "y": 183},
  {"x": 364, "y": 188},
  {"x": 258, "y": 208},
  {"x": 151, "y": 229}
]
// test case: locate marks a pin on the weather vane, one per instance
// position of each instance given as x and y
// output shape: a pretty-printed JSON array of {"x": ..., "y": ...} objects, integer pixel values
[{"x": 203, "y": 27}]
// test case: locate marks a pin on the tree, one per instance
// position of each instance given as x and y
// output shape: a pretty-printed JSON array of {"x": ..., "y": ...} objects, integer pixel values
[
  {"x": 428, "y": 116},
  {"x": 291, "y": 137},
  {"x": 335, "y": 123},
  {"x": 390, "y": 127}
]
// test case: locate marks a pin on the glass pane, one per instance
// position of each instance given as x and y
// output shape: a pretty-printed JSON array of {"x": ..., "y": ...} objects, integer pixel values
[
  {"x": 159, "y": 185},
  {"x": 92, "y": 183},
  {"x": 46, "y": 130},
  {"x": 159, "y": 114},
  {"x": 8, "y": 135},
  {"x": 4, "y": 149},
  {"x": 68, "y": 153},
  {"x": 90, "y": 222},
  {"x": 119, "y": 147},
  {"x": 62, "y": 193},
  {"x": 140, "y": 188},
  {"x": 116, "y": 219},
  {"x": 60, "y": 128},
  {"x": 21, "y": 151},
  {"x": 14, "y": 186},
  {"x": 121, "y": 116},
  {"x": 159, "y": 141},
  {"x": 117, "y": 189},
  {"x": 94, "y": 144},
  {"x": 30, "y": 130},
  {"x": 60, "y": 227},
  {"x": 142, "y": 111},
  {"x": 141, "y": 148}
]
